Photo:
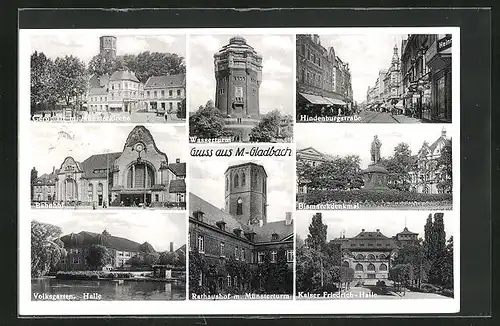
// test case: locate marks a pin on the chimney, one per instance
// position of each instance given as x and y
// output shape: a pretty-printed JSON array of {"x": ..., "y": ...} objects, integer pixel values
[
  {"x": 171, "y": 246},
  {"x": 362, "y": 230},
  {"x": 53, "y": 169},
  {"x": 288, "y": 218},
  {"x": 177, "y": 160},
  {"x": 378, "y": 230}
]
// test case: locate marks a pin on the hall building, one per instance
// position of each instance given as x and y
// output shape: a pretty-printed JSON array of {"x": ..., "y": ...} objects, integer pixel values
[
  {"x": 311, "y": 157},
  {"x": 139, "y": 175},
  {"x": 240, "y": 232},
  {"x": 369, "y": 253},
  {"x": 238, "y": 76}
]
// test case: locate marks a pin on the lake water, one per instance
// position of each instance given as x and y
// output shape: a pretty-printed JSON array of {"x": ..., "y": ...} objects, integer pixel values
[{"x": 128, "y": 290}]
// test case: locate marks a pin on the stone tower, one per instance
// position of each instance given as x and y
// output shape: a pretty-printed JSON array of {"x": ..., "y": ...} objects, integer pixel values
[
  {"x": 395, "y": 58},
  {"x": 238, "y": 75},
  {"x": 107, "y": 46},
  {"x": 246, "y": 193}
]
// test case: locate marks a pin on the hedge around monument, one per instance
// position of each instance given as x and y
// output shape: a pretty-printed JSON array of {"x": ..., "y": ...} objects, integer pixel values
[{"x": 371, "y": 196}]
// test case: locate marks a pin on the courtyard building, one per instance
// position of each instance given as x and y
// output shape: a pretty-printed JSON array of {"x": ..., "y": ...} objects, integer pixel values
[
  {"x": 239, "y": 232},
  {"x": 141, "y": 174}
]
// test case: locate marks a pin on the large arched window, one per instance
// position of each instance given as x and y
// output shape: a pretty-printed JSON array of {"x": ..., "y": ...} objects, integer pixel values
[
  {"x": 243, "y": 179},
  {"x": 360, "y": 257},
  {"x": 140, "y": 175},
  {"x": 371, "y": 256},
  {"x": 236, "y": 181},
  {"x": 71, "y": 189},
  {"x": 383, "y": 267},
  {"x": 358, "y": 268},
  {"x": 371, "y": 267},
  {"x": 345, "y": 263}
]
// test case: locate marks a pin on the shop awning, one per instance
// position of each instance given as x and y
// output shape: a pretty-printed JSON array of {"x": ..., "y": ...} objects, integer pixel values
[
  {"x": 335, "y": 101},
  {"x": 315, "y": 99}
]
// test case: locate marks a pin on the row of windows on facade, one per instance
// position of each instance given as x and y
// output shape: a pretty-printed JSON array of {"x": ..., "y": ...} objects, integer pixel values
[
  {"x": 370, "y": 267},
  {"x": 148, "y": 95},
  {"x": 238, "y": 98},
  {"x": 371, "y": 256},
  {"x": 237, "y": 178},
  {"x": 239, "y": 254},
  {"x": 234, "y": 281},
  {"x": 239, "y": 78}
]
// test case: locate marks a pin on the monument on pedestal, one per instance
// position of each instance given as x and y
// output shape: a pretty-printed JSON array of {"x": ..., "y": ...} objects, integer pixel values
[{"x": 375, "y": 176}]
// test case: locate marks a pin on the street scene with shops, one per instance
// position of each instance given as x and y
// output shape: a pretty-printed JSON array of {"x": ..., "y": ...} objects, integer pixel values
[
  {"x": 407, "y": 80},
  {"x": 123, "y": 80}
]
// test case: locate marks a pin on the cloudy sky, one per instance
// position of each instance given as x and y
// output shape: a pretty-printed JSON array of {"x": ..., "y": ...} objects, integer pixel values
[
  {"x": 356, "y": 139},
  {"x": 157, "y": 228},
  {"x": 280, "y": 183},
  {"x": 389, "y": 223},
  {"x": 276, "y": 89},
  {"x": 51, "y": 143},
  {"x": 84, "y": 43},
  {"x": 366, "y": 55}
]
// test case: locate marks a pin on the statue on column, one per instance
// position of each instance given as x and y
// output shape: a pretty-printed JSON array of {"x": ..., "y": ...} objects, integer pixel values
[{"x": 375, "y": 149}]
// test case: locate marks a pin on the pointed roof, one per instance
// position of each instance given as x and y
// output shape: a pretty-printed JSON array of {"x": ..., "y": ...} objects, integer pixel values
[
  {"x": 406, "y": 231},
  {"x": 123, "y": 75}
]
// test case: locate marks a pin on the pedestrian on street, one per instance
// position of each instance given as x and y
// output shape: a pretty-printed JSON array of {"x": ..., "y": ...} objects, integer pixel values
[{"x": 166, "y": 116}]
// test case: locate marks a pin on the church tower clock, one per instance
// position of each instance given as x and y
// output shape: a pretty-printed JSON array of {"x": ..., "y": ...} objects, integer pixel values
[{"x": 246, "y": 193}]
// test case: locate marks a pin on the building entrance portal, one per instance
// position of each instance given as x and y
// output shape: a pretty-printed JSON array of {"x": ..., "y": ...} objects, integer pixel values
[{"x": 135, "y": 199}]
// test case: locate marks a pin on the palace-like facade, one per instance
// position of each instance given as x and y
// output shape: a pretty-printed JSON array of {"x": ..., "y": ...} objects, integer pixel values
[{"x": 139, "y": 175}]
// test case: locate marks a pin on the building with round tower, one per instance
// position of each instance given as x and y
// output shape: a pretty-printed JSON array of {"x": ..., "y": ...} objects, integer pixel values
[{"x": 238, "y": 75}]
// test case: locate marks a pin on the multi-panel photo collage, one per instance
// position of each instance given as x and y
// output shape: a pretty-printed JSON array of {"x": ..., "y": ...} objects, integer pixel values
[{"x": 171, "y": 170}]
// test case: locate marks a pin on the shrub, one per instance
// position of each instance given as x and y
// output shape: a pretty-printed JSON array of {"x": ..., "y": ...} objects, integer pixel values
[{"x": 372, "y": 196}]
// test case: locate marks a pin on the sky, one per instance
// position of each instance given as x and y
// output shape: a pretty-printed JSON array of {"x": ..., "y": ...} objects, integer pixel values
[
  {"x": 356, "y": 139},
  {"x": 366, "y": 55},
  {"x": 157, "y": 228},
  {"x": 277, "y": 87},
  {"x": 84, "y": 43},
  {"x": 389, "y": 223},
  {"x": 280, "y": 183},
  {"x": 52, "y": 143}
]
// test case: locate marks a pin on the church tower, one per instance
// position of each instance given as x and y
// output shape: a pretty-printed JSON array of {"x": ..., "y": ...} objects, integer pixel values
[
  {"x": 107, "y": 46},
  {"x": 395, "y": 58},
  {"x": 246, "y": 193},
  {"x": 238, "y": 75}
]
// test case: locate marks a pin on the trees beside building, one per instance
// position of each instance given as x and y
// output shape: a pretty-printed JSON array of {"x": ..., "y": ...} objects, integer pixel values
[
  {"x": 269, "y": 129},
  {"x": 208, "y": 122},
  {"x": 46, "y": 248}
]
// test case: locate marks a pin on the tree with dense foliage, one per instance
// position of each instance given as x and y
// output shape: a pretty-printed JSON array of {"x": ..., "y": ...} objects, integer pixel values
[
  {"x": 316, "y": 238},
  {"x": 341, "y": 173},
  {"x": 41, "y": 81},
  {"x": 444, "y": 165},
  {"x": 102, "y": 64},
  {"x": 34, "y": 176},
  {"x": 399, "y": 166},
  {"x": 401, "y": 275},
  {"x": 69, "y": 78},
  {"x": 46, "y": 248},
  {"x": 414, "y": 256},
  {"x": 148, "y": 64},
  {"x": 198, "y": 271},
  {"x": 269, "y": 129},
  {"x": 274, "y": 278},
  {"x": 208, "y": 122},
  {"x": 168, "y": 258},
  {"x": 441, "y": 272},
  {"x": 98, "y": 256}
]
